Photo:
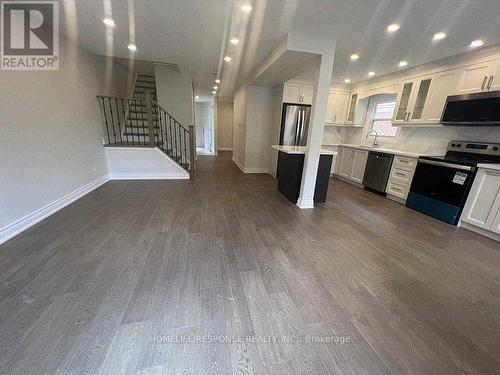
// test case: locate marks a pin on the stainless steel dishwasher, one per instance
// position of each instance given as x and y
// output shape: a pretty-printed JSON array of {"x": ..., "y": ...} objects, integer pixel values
[{"x": 378, "y": 168}]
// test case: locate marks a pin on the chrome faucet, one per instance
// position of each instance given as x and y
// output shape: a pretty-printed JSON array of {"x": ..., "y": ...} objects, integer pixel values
[{"x": 375, "y": 143}]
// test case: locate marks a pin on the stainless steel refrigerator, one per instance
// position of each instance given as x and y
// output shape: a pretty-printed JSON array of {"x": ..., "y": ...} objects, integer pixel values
[{"x": 294, "y": 124}]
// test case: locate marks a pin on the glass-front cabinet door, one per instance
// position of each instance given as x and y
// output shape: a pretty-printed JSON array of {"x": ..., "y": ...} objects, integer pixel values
[
  {"x": 352, "y": 108},
  {"x": 404, "y": 101},
  {"x": 423, "y": 91}
]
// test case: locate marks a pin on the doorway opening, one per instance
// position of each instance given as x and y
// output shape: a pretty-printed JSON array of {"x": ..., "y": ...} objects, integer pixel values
[{"x": 204, "y": 124}]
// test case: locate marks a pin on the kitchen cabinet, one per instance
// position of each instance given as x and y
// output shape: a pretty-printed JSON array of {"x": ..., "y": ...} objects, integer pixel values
[
  {"x": 482, "y": 209},
  {"x": 352, "y": 109},
  {"x": 297, "y": 93},
  {"x": 401, "y": 176},
  {"x": 338, "y": 102},
  {"x": 403, "y": 102},
  {"x": 484, "y": 76},
  {"x": 442, "y": 86},
  {"x": 352, "y": 164},
  {"x": 494, "y": 83},
  {"x": 412, "y": 101}
]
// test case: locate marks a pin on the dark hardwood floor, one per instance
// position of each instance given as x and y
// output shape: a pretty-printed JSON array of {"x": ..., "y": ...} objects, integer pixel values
[{"x": 224, "y": 276}]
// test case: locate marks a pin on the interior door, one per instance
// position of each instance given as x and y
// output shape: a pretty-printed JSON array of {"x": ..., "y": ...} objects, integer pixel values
[{"x": 207, "y": 122}]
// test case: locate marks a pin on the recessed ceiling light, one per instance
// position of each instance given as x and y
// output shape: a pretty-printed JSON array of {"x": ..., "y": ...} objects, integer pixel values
[
  {"x": 347, "y": 80},
  {"x": 354, "y": 57},
  {"x": 246, "y": 8},
  {"x": 217, "y": 80},
  {"x": 227, "y": 58},
  {"x": 393, "y": 27},
  {"x": 476, "y": 43},
  {"x": 132, "y": 47},
  {"x": 216, "y": 87},
  {"x": 109, "y": 21},
  {"x": 214, "y": 92},
  {"x": 403, "y": 63},
  {"x": 439, "y": 36},
  {"x": 197, "y": 97},
  {"x": 371, "y": 74},
  {"x": 235, "y": 41}
]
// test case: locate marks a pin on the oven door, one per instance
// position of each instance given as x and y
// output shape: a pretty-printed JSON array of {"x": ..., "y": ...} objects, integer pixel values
[{"x": 439, "y": 189}]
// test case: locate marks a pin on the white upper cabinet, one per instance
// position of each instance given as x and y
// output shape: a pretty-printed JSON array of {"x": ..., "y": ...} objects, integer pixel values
[
  {"x": 307, "y": 94},
  {"x": 442, "y": 86},
  {"x": 494, "y": 80},
  {"x": 338, "y": 103},
  {"x": 404, "y": 102},
  {"x": 351, "y": 113},
  {"x": 292, "y": 93},
  {"x": 297, "y": 93},
  {"x": 477, "y": 77}
]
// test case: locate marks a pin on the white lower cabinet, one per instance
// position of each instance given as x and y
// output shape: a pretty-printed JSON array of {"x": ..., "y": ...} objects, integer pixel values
[
  {"x": 402, "y": 171},
  {"x": 482, "y": 209},
  {"x": 351, "y": 164}
]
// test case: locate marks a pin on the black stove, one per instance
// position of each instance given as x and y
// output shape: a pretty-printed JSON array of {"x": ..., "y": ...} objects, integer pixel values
[{"x": 441, "y": 183}]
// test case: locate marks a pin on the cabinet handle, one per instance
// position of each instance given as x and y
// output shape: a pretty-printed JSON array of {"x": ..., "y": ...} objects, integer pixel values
[
  {"x": 484, "y": 82},
  {"x": 400, "y": 174},
  {"x": 395, "y": 188},
  {"x": 490, "y": 81}
]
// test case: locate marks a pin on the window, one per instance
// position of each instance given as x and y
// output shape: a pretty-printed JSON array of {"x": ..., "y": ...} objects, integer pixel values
[{"x": 382, "y": 118}]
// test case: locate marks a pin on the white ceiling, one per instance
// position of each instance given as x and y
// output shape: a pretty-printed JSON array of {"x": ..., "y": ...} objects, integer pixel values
[{"x": 193, "y": 33}]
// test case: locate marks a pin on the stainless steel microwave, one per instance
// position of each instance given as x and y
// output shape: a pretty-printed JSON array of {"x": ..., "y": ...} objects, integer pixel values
[{"x": 479, "y": 109}]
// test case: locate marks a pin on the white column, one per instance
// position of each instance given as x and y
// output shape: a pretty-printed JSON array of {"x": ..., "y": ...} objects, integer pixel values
[{"x": 316, "y": 127}]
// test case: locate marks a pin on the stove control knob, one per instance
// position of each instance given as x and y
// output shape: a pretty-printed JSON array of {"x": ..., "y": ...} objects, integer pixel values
[
  {"x": 453, "y": 145},
  {"x": 459, "y": 145},
  {"x": 495, "y": 148}
]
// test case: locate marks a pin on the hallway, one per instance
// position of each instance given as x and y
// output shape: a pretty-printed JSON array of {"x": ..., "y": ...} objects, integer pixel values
[{"x": 222, "y": 275}]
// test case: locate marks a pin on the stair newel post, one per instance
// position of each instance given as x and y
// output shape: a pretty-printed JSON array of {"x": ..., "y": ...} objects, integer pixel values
[
  {"x": 148, "y": 101},
  {"x": 192, "y": 151}
]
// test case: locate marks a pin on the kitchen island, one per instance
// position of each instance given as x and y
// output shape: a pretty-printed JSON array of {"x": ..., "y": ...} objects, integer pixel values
[{"x": 289, "y": 174}]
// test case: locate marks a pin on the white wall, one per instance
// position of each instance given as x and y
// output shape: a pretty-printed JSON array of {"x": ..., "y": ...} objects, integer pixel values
[
  {"x": 175, "y": 93},
  {"x": 258, "y": 129},
  {"x": 239, "y": 126},
  {"x": 141, "y": 163},
  {"x": 225, "y": 117},
  {"x": 50, "y": 134}
]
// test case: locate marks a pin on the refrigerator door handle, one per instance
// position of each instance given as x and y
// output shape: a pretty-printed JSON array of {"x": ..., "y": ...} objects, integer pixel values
[{"x": 298, "y": 129}]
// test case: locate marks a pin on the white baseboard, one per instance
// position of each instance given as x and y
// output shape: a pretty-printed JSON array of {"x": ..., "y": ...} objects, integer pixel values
[
  {"x": 256, "y": 170},
  {"x": 31, "y": 219},
  {"x": 249, "y": 170},
  {"x": 305, "y": 204},
  {"x": 239, "y": 165},
  {"x": 224, "y": 148},
  {"x": 478, "y": 230},
  {"x": 149, "y": 176}
]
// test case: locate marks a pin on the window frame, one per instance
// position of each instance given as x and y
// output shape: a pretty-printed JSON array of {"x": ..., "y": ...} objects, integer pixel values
[{"x": 374, "y": 101}]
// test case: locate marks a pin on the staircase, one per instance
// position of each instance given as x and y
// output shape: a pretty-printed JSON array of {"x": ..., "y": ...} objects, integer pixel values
[
  {"x": 133, "y": 130},
  {"x": 141, "y": 121}
]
